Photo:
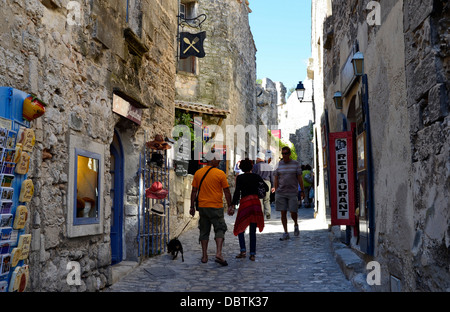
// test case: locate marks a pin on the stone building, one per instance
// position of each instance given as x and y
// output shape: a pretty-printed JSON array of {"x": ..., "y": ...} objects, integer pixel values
[
  {"x": 218, "y": 89},
  {"x": 269, "y": 95},
  {"x": 399, "y": 105},
  {"x": 80, "y": 57},
  {"x": 295, "y": 120}
]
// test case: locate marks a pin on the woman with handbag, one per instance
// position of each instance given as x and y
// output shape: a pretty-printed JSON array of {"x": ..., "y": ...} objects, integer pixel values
[{"x": 250, "y": 187}]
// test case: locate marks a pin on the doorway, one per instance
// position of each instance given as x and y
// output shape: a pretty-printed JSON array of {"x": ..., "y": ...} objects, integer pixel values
[{"x": 116, "y": 193}]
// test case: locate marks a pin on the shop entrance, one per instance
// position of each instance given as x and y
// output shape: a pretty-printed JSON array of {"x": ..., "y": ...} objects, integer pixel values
[{"x": 117, "y": 199}]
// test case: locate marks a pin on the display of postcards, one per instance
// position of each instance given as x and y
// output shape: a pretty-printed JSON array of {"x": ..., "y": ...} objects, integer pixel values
[
  {"x": 6, "y": 207},
  {"x": 14, "y": 238},
  {"x": 6, "y": 220},
  {"x": 11, "y": 139},
  {"x": 4, "y": 247},
  {"x": 7, "y": 193},
  {"x": 6, "y": 264},
  {"x": 8, "y": 168},
  {"x": 5, "y": 233},
  {"x": 3, "y": 286},
  {"x": 3, "y": 132},
  {"x": 6, "y": 180},
  {"x": 8, "y": 155}
]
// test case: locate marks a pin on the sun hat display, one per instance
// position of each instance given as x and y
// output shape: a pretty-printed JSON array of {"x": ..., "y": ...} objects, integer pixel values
[
  {"x": 156, "y": 159},
  {"x": 156, "y": 191},
  {"x": 158, "y": 209},
  {"x": 158, "y": 143}
]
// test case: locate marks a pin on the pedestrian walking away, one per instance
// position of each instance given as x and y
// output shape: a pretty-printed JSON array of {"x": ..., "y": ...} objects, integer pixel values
[
  {"x": 287, "y": 176},
  {"x": 308, "y": 181},
  {"x": 265, "y": 171},
  {"x": 207, "y": 187},
  {"x": 250, "y": 212}
]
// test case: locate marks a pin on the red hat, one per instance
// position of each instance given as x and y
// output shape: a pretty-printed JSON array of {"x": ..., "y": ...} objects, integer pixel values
[{"x": 156, "y": 191}]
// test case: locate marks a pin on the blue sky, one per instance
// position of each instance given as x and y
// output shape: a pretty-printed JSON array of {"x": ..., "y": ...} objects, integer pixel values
[{"x": 282, "y": 33}]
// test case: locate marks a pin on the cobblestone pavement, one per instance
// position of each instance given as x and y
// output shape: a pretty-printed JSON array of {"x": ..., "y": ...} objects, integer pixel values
[{"x": 301, "y": 264}]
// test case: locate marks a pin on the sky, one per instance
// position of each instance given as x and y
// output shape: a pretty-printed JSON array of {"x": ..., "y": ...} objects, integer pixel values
[{"x": 282, "y": 33}]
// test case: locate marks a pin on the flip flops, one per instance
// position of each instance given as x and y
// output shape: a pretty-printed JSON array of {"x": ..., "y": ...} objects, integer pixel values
[{"x": 222, "y": 262}]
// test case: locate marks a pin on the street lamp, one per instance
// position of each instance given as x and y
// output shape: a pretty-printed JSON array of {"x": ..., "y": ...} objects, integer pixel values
[
  {"x": 338, "y": 100},
  {"x": 358, "y": 63},
  {"x": 300, "y": 91}
]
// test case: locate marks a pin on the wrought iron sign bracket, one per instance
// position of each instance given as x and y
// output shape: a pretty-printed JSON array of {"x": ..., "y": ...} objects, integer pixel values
[{"x": 192, "y": 22}]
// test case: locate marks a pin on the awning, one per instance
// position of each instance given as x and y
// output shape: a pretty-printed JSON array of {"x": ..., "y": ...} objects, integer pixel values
[{"x": 202, "y": 108}]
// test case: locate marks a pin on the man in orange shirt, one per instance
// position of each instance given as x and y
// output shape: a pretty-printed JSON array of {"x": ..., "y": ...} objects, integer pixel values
[{"x": 210, "y": 203}]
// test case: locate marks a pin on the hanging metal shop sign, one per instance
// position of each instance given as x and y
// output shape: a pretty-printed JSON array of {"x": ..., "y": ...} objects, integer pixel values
[
  {"x": 192, "y": 44},
  {"x": 342, "y": 178}
]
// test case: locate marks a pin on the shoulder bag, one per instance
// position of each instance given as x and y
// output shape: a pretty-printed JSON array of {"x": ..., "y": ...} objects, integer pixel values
[{"x": 200, "y": 185}]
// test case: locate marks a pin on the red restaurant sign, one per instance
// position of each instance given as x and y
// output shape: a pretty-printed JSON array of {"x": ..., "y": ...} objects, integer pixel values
[{"x": 342, "y": 179}]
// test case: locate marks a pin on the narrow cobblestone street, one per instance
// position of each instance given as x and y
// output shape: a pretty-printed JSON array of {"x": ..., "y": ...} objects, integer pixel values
[{"x": 301, "y": 264}]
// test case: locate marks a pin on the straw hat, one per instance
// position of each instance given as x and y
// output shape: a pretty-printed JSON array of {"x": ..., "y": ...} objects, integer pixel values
[{"x": 158, "y": 143}]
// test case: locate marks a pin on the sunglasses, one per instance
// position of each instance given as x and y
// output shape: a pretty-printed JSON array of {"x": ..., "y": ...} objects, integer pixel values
[{"x": 285, "y": 153}]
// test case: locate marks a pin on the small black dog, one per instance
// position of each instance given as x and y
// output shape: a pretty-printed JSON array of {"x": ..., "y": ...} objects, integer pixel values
[{"x": 173, "y": 247}]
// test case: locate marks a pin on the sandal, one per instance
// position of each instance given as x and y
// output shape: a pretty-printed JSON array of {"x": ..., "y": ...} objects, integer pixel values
[
  {"x": 204, "y": 261},
  {"x": 243, "y": 254},
  {"x": 252, "y": 257},
  {"x": 222, "y": 262}
]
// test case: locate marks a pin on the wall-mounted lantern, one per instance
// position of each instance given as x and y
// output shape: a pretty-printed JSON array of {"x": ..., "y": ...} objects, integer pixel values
[
  {"x": 338, "y": 100},
  {"x": 358, "y": 63}
]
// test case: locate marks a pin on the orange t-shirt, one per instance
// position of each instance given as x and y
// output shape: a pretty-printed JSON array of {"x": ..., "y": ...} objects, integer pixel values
[{"x": 211, "y": 192}]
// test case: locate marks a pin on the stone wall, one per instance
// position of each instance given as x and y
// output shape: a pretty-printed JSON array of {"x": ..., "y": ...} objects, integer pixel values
[
  {"x": 428, "y": 71},
  {"x": 406, "y": 63},
  {"x": 75, "y": 63}
]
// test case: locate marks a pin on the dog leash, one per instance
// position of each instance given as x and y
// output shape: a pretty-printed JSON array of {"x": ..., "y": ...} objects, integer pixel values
[{"x": 184, "y": 227}]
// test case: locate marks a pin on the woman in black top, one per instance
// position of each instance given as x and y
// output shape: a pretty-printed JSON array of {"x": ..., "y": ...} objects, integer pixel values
[{"x": 250, "y": 212}]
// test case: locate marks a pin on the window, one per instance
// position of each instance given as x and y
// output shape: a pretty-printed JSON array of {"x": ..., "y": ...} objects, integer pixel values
[
  {"x": 188, "y": 10},
  {"x": 188, "y": 64},
  {"x": 85, "y": 197},
  {"x": 86, "y": 187}
]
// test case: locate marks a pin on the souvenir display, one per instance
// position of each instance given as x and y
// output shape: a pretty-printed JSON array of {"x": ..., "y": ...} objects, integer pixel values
[
  {"x": 27, "y": 140},
  {"x": 26, "y": 191},
  {"x": 158, "y": 143},
  {"x": 6, "y": 220},
  {"x": 7, "y": 150},
  {"x": 16, "y": 145},
  {"x": 23, "y": 163},
  {"x": 4, "y": 247},
  {"x": 3, "y": 286},
  {"x": 6, "y": 180},
  {"x": 33, "y": 108},
  {"x": 5, "y": 207},
  {"x": 19, "y": 279},
  {"x": 5, "y": 233},
  {"x": 5, "y": 264},
  {"x": 16, "y": 254},
  {"x": 156, "y": 191},
  {"x": 24, "y": 245},
  {"x": 21, "y": 217}
]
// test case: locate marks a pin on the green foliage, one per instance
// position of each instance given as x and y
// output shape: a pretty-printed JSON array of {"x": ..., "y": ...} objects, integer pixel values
[
  {"x": 282, "y": 144},
  {"x": 186, "y": 119}
]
